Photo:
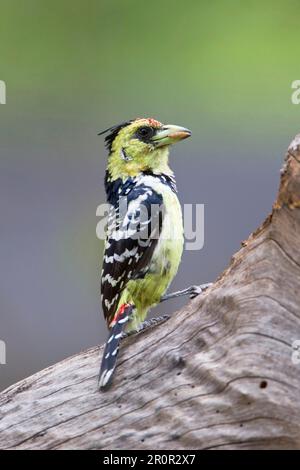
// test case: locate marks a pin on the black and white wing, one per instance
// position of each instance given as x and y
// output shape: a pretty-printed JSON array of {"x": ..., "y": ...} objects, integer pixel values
[{"x": 132, "y": 233}]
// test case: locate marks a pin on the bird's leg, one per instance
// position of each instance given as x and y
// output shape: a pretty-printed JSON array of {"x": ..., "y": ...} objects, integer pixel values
[
  {"x": 152, "y": 321},
  {"x": 146, "y": 324},
  {"x": 192, "y": 291}
]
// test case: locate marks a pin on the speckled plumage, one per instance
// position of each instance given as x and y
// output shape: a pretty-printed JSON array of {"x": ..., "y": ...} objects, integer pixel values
[{"x": 139, "y": 262}]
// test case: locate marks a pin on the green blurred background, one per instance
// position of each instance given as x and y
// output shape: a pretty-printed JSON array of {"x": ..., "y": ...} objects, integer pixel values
[{"x": 72, "y": 68}]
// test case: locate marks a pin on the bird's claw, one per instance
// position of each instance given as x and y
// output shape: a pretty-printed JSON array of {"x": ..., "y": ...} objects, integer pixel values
[
  {"x": 196, "y": 290},
  {"x": 151, "y": 322}
]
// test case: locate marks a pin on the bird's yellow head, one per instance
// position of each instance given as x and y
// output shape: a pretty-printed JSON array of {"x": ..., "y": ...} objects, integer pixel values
[{"x": 141, "y": 145}]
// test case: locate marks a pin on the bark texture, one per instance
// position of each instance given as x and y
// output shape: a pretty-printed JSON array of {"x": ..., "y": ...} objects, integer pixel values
[{"x": 220, "y": 374}]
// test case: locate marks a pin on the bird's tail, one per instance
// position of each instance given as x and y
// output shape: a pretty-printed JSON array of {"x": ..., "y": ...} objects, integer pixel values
[{"x": 111, "y": 349}]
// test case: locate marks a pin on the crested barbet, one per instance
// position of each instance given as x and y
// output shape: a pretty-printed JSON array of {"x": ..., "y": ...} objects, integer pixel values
[{"x": 144, "y": 239}]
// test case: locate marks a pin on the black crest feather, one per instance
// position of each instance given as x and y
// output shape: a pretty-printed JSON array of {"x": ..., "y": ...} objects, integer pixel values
[{"x": 113, "y": 132}]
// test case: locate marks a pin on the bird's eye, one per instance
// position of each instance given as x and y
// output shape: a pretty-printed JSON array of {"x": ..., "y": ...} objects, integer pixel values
[{"x": 145, "y": 132}]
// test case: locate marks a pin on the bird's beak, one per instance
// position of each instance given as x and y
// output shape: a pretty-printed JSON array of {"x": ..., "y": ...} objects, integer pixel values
[{"x": 170, "y": 134}]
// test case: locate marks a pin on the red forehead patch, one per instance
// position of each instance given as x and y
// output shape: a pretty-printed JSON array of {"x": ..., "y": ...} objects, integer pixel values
[
  {"x": 150, "y": 121},
  {"x": 153, "y": 123}
]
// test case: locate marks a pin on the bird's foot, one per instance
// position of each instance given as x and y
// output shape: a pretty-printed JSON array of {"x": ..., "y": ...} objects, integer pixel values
[
  {"x": 145, "y": 324},
  {"x": 194, "y": 291},
  {"x": 152, "y": 321},
  {"x": 191, "y": 291}
]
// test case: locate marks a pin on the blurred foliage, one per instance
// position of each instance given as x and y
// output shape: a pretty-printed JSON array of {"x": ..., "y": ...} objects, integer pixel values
[{"x": 222, "y": 67}]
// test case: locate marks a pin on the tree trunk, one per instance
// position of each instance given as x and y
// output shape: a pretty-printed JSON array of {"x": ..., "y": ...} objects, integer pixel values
[{"x": 219, "y": 374}]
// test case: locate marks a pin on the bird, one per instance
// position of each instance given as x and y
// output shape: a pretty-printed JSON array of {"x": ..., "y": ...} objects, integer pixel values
[{"x": 144, "y": 234}]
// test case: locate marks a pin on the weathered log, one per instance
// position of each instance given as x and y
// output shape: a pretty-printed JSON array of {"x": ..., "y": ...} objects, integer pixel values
[{"x": 220, "y": 373}]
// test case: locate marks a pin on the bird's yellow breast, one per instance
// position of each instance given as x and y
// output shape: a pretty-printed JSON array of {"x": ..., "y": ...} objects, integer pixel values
[{"x": 147, "y": 292}]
